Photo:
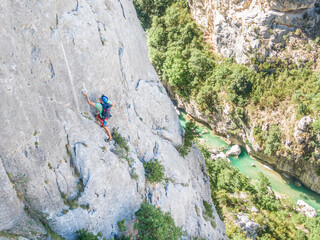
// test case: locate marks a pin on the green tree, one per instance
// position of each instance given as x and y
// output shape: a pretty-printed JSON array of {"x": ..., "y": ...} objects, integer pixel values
[
  {"x": 190, "y": 134},
  {"x": 206, "y": 99},
  {"x": 122, "y": 225},
  {"x": 154, "y": 171},
  {"x": 273, "y": 140},
  {"x": 240, "y": 84},
  {"x": 154, "y": 224},
  {"x": 265, "y": 197},
  {"x": 83, "y": 234}
]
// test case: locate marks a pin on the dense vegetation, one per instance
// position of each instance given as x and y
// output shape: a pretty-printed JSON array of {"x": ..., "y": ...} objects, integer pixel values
[
  {"x": 180, "y": 56},
  {"x": 234, "y": 193},
  {"x": 154, "y": 224},
  {"x": 151, "y": 223}
]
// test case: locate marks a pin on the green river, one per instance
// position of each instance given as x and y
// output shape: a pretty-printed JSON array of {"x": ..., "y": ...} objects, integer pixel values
[{"x": 279, "y": 184}]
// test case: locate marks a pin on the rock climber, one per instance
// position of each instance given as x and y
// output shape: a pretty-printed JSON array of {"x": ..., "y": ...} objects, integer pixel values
[{"x": 104, "y": 106}]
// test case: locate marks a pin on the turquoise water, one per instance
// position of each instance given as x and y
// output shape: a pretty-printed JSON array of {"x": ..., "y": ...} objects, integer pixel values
[{"x": 278, "y": 183}]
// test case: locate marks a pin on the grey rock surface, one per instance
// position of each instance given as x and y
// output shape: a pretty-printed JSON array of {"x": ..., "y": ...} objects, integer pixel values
[
  {"x": 249, "y": 227},
  {"x": 306, "y": 209},
  {"x": 291, "y": 5},
  {"x": 304, "y": 123},
  {"x": 50, "y": 52},
  {"x": 218, "y": 155},
  {"x": 260, "y": 28},
  {"x": 10, "y": 206}
]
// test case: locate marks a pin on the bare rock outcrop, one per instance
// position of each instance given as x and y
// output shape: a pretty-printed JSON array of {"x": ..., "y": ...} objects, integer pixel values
[
  {"x": 53, "y": 151},
  {"x": 234, "y": 151},
  {"x": 259, "y": 29},
  {"x": 306, "y": 209}
]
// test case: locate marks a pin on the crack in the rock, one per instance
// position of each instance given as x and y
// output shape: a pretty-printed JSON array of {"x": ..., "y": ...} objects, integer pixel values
[
  {"x": 51, "y": 70},
  {"x": 77, "y": 7},
  {"x": 135, "y": 110},
  {"x": 8, "y": 174},
  {"x": 156, "y": 149},
  {"x": 122, "y": 9},
  {"x": 102, "y": 38},
  {"x": 137, "y": 85},
  {"x": 120, "y": 53},
  {"x": 57, "y": 20}
]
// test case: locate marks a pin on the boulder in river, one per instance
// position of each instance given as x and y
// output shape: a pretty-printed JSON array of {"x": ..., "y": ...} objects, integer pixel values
[
  {"x": 234, "y": 151},
  {"x": 253, "y": 165},
  {"x": 297, "y": 183},
  {"x": 306, "y": 209}
]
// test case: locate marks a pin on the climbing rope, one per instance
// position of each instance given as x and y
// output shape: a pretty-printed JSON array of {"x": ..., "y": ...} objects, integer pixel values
[{"x": 154, "y": 185}]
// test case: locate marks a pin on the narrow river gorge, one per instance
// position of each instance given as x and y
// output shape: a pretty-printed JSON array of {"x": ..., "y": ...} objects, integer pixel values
[{"x": 281, "y": 184}]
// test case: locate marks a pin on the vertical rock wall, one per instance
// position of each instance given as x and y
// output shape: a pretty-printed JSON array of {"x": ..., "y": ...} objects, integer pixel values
[{"x": 51, "y": 147}]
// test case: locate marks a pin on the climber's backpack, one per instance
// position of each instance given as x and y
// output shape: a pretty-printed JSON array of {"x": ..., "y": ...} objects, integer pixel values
[{"x": 106, "y": 107}]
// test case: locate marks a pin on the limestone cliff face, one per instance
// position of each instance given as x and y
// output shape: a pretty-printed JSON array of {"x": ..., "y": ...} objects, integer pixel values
[
  {"x": 262, "y": 29},
  {"x": 51, "y": 149}
]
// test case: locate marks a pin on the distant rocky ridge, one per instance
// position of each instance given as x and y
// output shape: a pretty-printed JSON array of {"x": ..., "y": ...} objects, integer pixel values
[
  {"x": 56, "y": 170},
  {"x": 261, "y": 29}
]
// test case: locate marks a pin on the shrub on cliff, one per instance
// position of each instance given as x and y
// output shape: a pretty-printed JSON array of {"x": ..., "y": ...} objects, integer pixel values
[
  {"x": 120, "y": 141},
  {"x": 154, "y": 171},
  {"x": 154, "y": 224},
  {"x": 83, "y": 234},
  {"x": 190, "y": 134}
]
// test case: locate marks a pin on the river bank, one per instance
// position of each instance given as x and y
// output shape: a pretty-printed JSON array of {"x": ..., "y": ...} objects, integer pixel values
[{"x": 281, "y": 184}]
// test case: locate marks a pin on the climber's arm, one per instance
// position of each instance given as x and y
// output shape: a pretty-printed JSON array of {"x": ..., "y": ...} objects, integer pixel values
[{"x": 88, "y": 100}]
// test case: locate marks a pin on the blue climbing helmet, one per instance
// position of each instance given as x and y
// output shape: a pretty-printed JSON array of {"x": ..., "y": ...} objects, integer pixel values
[{"x": 104, "y": 98}]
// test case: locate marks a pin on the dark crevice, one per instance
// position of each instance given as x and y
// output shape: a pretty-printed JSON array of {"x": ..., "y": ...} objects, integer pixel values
[
  {"x": 150, "y": 197},
  {"x": 166, "y": 189},
  {"x": 77, "y": 7},
  {"x": 137, "y": 85},
  {"x": 155, "y": 149},
  {"x": 298, "y": 11},
  {"x": 102, "y": 39},
  {"x": 51, "y": 70},
  {"x": 122, "y": 9}
]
